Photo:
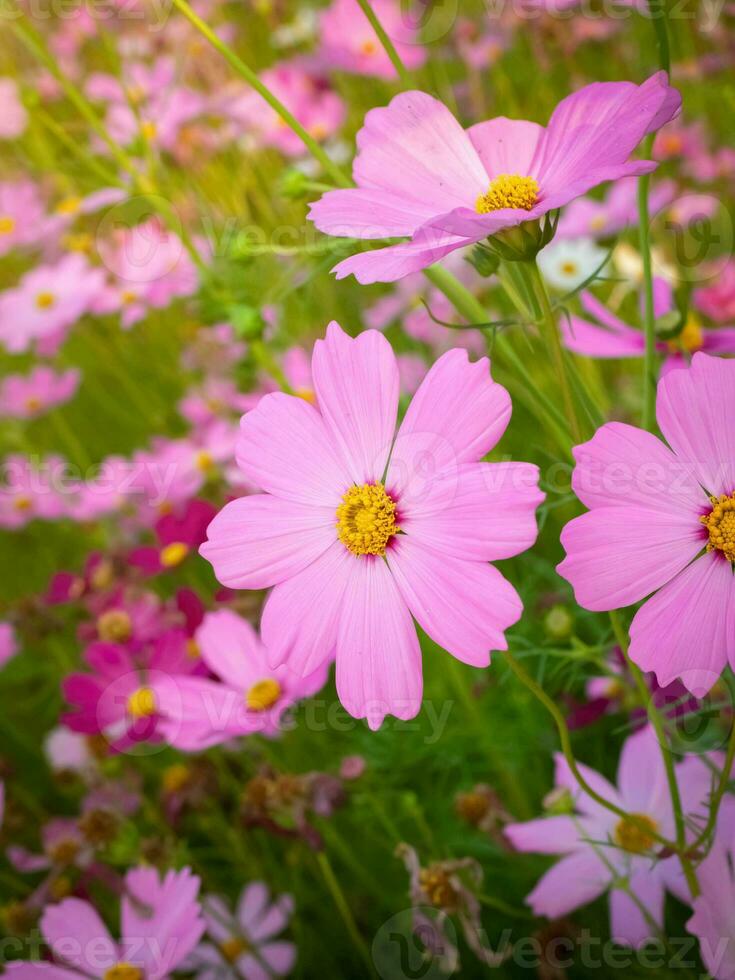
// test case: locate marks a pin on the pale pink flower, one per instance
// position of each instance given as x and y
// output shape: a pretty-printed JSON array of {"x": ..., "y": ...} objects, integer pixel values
[
  {"x": 349, "y": 43},
  {"x": 586, "y": 217},
  {"x": 305, "y": 94},
  {"x": 713, "y": 921},
  {"x": 600, "y": 849},
  {"x": 47, "y": 302},
  {"x": 31, "y": 491},
  {"x": 24, "y": 396},
  {"x": 13, "y": 114},
  {"x": 22, "y": 215},
  {"x": 662, "y": 520},
  {"x": 359, "y": 528},
  {"x": 245, "y": 944},
  {"x": 420, "y": 175},
  {"x": 160, "y": 924}
]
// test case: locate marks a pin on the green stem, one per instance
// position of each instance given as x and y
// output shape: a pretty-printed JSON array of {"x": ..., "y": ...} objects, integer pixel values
[
  {"x": 657, "y": 10},
  {"x": 566, "y": 746},
  {"x": 553, "y": 339},
  {"x": 343, "y": 908},
  {"x": 252, "y": 79},
  {"x": 388, "y": 45},
  {"x": 649, "y": 323},
  {"x": 657, "y": 722},
  {"x": 719, "y": 793}
]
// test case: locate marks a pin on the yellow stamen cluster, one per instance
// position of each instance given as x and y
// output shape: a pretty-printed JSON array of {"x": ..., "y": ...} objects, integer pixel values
[
  {"x": 142, "y": 703},
  {"x": 690, "y": 339},
  {"x": 508, "y": 191},
  {"x": 33, "y": 403},
  {"x": 45, "y": 300},
  {"x": 115, "y": 626},
  {"x": 632, "y": 837},
  {"x": 263, "y": 694},
  {"x": 69, "y": 205},
  {"x": 366, "y": 519},
  {"x": 173, "y": 554},
  {"x": 175, "y": 778},
  {"x": 123, "y": 971},
  {"x": 7, "y": 225},
  {"x": 720, "y": 523},
  {"x": 435, "y": 883}
]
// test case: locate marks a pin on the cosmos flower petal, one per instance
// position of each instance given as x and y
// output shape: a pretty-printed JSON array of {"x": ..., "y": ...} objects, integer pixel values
[
  {"x": 628, "y": 924},
  {"x": 357, "y": 385},
  {"x": 301, "y": 615},
  {"x": 464, "y": 606},
  {"x": 415, "y": 148},
  {"x": 592, "y": 340},
  {"x": 623, "y": 466},
  {"x": 378, "y": 655},
  {"x": 270, "y": 451},
  {"x": 479, "y": 511},
  {"x": 38, "y": 971},
  {"x": 696, "y": 412},
  {"x": 94, "y": 950},
  {"x": 255, "y": 542},
  {"x": 398, "y": 261},
  {"x": 231, "y": 648},
  {"x": 687, "y": 630},
  {"x": 565, "y": 778},
  {"x": 642, "y": 778},
  {"x": 457, "y": 415},
  {"x": 574, "y": 881},
  {"x": 618, "y": 555},
  {"x": 505, "y": 146},
  {"x": 369, "y": 212},
  {"x": 545, "y": 835}
]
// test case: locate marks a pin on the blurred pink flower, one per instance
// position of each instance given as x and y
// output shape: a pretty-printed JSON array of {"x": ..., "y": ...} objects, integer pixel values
[
  {"x": 8, "y": 643},
  {"x": 717, "y": 299},
  {"x": 48, "y": 301},
  {"x": 31, "y": 491},
  {"x": 653, "y": 512},
  {"x": 610, "y": 337},
  {"x": 358, "y": 532},
  {"x": 178, "y": 535},
  {"x": 160, "y": 923},
  {"x": 23, "y": 219},
  {"x": 13, "y": 115},
  {"x": 245, "y": 944},
  {"x": 348, "y": 42},
  {"x": 421, "y": 175},
  {"x": 712, "y": 921},
  {"x": 618, "y": 211},
  {"x": 599, "y": 848},
  {"x": 24, "y": 396}
]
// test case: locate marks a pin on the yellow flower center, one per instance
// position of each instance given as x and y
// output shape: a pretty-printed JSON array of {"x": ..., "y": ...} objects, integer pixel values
[
  {"x": 263, "y": 694},
  {"x": 173, "y": 554},
  {"x": 7, "y": 225},
  {"x": 45, "y": 300},
  {"x": 598, "y": 222},
  {"x": 70, "y": 205},
  {"x": 437, "y": 886},
  {"x": 203, "y": 461},
  {"x": 308, "y": 394},
  {"x": 690, "y": 338},
  {"x": 366, "y": 519},
  {"x": 192, "y": 649},
  {"x": 33, "y": 403},
  {"x": 128, "y": 296},
  {"x": 634, "y": 838},
  {"x": 368, "y": 48},
  {"x": 175, "y": 778},
  {"x": 64, "y": 851},
  {"x": 123, "y": 971},
  {"x": 148, "y": 130},
  {"x": 142, "y": 703},
  {"x": 569, "y": 268},
  {"x": 22, "y": 503},
  {"x": 508, "y": 191},
  {"x": 114, "y": 626},
  {"x": 233, "y": 948},
  {"x": 720, "y": 522}
]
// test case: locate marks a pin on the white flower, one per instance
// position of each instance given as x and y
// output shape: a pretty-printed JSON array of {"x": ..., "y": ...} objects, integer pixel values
[{"x": 566, "y": 264}]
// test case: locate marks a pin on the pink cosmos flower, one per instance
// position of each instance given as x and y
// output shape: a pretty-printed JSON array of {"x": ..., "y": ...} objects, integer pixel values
[
  {"x": 359, "y": 528},
  {"x": 662, "y": 520},
  {"x": 13, "y": 114},
  {"x": 247, "y": 695},
  {"x": 22, "y": 216},
  {"x": 245, "y": 944},
  {"x": 712, "y": 921},
  {"x": 24, "y": 396},
  {"x": 217, "y": 397},
  {"x": 420, "y": 175},
  {"x": 613, "y": 338},
  {"x": 48, "y": 300},
  {"x": 348, "y": 42},
  {"x": 717, "y": 299},
  {"x": 307, "y": 95},
  {"x": 31, "y": 492},
  {"x": 150, "y": 268},
  {"x": 618, "y": 211},
  {"x": 599, "y": 848},
  {"x": 8, "y": 643},
  {"x": 160, "y": 924},
  {"x": 178, "y": 535}
]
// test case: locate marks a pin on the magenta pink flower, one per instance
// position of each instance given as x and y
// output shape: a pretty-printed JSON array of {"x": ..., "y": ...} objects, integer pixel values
[
  {"x": 245, "y": 944},
  {"x": 246, "y": 696},
  {"x": 717, "y": 299},
  {"x": 610, "y": 337},
  {"x": 48, "y": 300},
  {"x": 359, "y": 528},
  {"x": 348, "y": 42},
  {"x": 24, "y": 396},
  {"x": 160, "y": 924},
  {"x": 8, "y": 643},
  {"x": 420, "y": 175},
  {"x": 662, "y": 520},
  {"x": 600, "y": 849},
  {"x": 178, "y": 535}
]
